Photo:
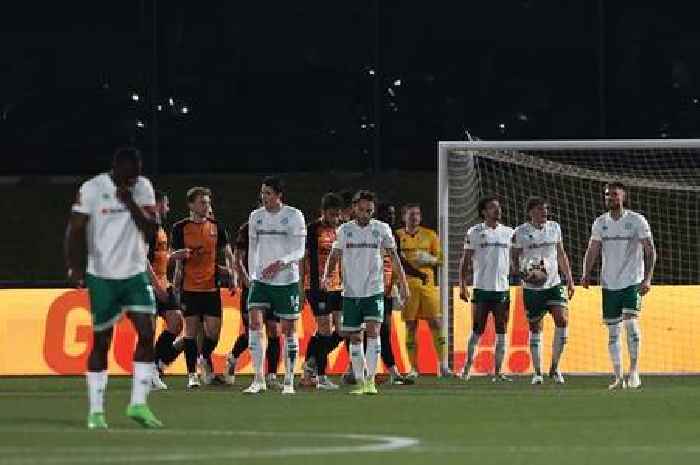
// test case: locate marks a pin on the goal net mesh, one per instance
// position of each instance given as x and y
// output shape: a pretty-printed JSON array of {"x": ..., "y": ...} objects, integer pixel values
[{"x": 663, "y": 184}]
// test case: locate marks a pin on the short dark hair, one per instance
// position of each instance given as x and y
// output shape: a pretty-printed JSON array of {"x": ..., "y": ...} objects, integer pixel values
[
  {"x": 364, "y": 195},
  {"x": 331, "y": 200},
  {"x": 160, "y": 195},
  {"x": 382, "y": 213},
  {"x": 533, "y": 202},
  {"x": 615, "y": 185},
  {"x": 128, "y": 154},
  {"x": 347, "y": 197},
  {"x": 275, "y": 183},
  {"x": 408, "y": 206},
  {"x": 483, "y": 201},
  {"x": 196, "y": 191}
]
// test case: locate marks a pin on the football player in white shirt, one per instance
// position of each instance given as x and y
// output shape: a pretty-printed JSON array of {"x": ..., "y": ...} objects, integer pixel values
[
  {"x": 360, "y": 245},
  {"x": 106, "y": 251},
  {"x": 538, "y": 256},
  {"x": 485, "y": 265},
  {"x": 629, "y": 256},
  {"x": 277, "y": 240}
]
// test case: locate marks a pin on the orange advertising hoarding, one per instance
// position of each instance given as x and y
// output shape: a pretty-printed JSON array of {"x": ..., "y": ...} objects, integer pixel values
[{"x": 47, "y": 331}]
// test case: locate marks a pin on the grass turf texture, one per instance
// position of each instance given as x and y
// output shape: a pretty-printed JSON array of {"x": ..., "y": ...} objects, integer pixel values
[{"x": 42, "y": 421}]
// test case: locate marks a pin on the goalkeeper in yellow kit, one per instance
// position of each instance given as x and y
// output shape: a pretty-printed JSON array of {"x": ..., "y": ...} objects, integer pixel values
[{"x": 420, "y": 248}]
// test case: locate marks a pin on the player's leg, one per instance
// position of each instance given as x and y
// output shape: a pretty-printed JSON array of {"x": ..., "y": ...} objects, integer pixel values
[
  {"x": 631, "y": 307},
  {"x": 165, "y": 349},
  {"x": 285, "y": 303},
  {"x": 409, "y": 314},
  {"x": 212, "y": 313},
  {"x": 372, "y": 309},
  {"x": 387, "y": 350},
  {"x": 352, "y": 327},
  {"x": 535, "y": 309},
  {"x": 612, "y": 315},
  {"x": 480, "y": 314},
  {"x": 558, "y": 307},
  {"x": 430, "y": 310},
  {"x": 272, "y": 352},
  {"x": 241, "y": 343},
  {"x": 190, "y": 306},
  {"x": 501, "y": 311},
  {"x": 259, "y": 301},
  {"x": 317, "y": 302}
]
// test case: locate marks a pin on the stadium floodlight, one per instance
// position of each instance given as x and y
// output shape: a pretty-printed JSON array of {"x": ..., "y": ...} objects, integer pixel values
[{"x": 663, "y": 183}]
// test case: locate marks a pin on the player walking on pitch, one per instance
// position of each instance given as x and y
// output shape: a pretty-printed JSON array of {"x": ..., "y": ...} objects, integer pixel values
[
  {"x": 628, "y": 257},
  {"x": 485, "y": 265},
  {"x": 537, "y": 256},
  {"x": 277, "y": 239},
  {"x": 361, "y": 244},
  {"x": 105, "y": 250}
]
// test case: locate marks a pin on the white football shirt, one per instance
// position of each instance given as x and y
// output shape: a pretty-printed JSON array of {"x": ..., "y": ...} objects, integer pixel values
[
  {"x": 276, "y": 236},
  {"x": 491, "y": 257},
  {"x": 116, "y": 247},
  {"x": 363, "y": 261},
  {"x": 540, "y": 245},
  {"x": 622, "y": 251}
]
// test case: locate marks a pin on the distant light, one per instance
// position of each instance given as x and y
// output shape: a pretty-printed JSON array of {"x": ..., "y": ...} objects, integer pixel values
[
  {"x": 140, "y": 124},
  {"x": 391, "y": 92},
  {"x": 185, "y": 110},
  {"x": 363, "y": 126},
  {"x": 135, "y": 97},
  {"x": 522, "y": 117},
  {"x": 501, "y": 126},
  {"x": 695, "y": 100},
  {"x": 159, "y": 107},
  {"x": 371, "y": 72},
  {"x": 171, "y": 102},
  {"x": 397, "y": 82},
  {"x": 664, "y": 135},
  {"x": 365, "y": 151},
  {"x": 105, "y": 85},
  {"x": 371, "y": 125}
]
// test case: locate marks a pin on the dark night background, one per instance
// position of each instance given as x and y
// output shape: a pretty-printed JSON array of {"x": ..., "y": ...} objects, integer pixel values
[{"x": 287, "y": 86}]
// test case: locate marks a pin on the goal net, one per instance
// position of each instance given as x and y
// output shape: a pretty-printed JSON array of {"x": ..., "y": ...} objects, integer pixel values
[{"x": 663, "y": 183}]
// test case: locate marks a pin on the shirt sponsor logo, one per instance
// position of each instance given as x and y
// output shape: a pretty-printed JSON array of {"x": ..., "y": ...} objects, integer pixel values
[
  {"x": 271, "y": 232},
  {"x": 110, "y": 211},
  {"x": 362, "y": 245},
  {"x": 542, "y": 245},
  {"x": 494, "y": 244},
  {"x": 617, "y": 238}
]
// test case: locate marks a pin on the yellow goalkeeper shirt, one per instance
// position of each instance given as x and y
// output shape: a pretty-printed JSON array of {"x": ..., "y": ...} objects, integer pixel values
[{"x": 423, "y": 240}]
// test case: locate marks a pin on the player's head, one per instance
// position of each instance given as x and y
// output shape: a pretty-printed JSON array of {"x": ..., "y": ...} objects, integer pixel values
[
  {"x": 386, "y": 212},
  {"x": 537, "y": 209},
  {"x": 331, "y": 207},
  {"x": 347, "y": 212},
  {"x": 162, "y": 204},
  {"x": 199, "y": 201},
  {"x": 271, "y": 192},
  {"x": 126, "y": 166},
  {"x": 363, "y": 205},
  {"x": 614, "y": 195},
  {"x": 490, "y": 208},
  {"x": 412, "y": 215}
]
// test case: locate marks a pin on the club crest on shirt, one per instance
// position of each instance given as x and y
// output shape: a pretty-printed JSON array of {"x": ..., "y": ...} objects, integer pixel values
[
  {"x": 259, "y": 221},
  {"x": 105, "y": 196},
  {"x": 375, "y": 234},
  {"x": 605, "y": 228},
  {"x": 348, "y": 233},
  {"x": 628, "y": 226},
  {"x": 285, "y": 220}
]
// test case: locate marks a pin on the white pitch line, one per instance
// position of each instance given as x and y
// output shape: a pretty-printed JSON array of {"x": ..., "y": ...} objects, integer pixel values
[{"x": 378, "y": 443}]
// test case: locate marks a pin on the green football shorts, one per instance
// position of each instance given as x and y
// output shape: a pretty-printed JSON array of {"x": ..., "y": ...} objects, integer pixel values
[
  {"x": 283, "y": 299},
  {"x": 357, "y": 310},
  {"x": 109, "y": 298},
  {"x": 620, "y": 301},
  {"x": 538, "y": 301}
]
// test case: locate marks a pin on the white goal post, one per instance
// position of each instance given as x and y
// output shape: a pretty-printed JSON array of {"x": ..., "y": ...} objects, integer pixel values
[{"x": 662, "y": 174}]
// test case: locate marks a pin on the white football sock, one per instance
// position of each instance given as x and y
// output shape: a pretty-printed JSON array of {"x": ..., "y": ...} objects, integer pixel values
[
  {"x": 615, "y": 348},
  {"x": 472, "y": 344},
  {"x": 634, "y": 339},
  {"x": 257, "y": 353},
  {"x": 97, "y": 384},
  {"x": 500, "y": 351},
  {"x": 374, "y": 347},
  {"x": 290, "y": 356},
  {"x": 358, "y": 361},
  {"x": 536, "y": 352},
  {"x": 141, "y": 382},
  {"x": 560, "y": 337}
]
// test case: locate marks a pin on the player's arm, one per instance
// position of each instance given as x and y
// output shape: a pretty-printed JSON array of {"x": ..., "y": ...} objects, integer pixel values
[
  {"x": 160, "y": 292},
  {"x": 75, "y": 247},
  {"x": 649, "y": 263},
  {"x": 589, "y": 260},
  {"x": 565, "y": 267},
  {"x": 224, "y": 246},
  {"x": 402, "y": 281},
  {"x": 145, "y": 217},
  {"x": 409, "y": 269},
  {"x": 178, "y": 243},
  {"x": 297, "y": 248},
  {"x": 331, "y": 263},
  {"x": 466, "y": 274},
  {"x": 515, "y": 252}
]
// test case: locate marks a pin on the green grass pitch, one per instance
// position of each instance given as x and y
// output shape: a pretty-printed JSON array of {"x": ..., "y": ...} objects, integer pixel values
[{"x": 42, "y": 421}]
